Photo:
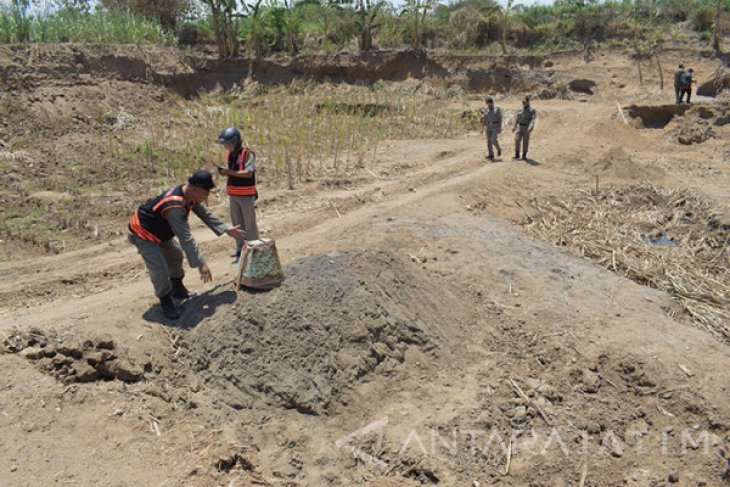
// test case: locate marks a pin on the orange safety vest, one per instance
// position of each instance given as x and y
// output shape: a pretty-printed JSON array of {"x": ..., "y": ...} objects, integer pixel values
[
  {"x": 149, "y": 222},
  {"x": 241, "y": 186}
]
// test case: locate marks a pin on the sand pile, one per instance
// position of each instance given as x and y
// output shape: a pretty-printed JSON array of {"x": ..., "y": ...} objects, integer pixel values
[
  {"x": 338, "y": 318},
  {"x": 616, "y": 163}
]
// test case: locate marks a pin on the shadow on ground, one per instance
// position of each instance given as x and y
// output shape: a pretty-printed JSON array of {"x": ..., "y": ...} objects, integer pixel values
[{"x": 195, "y": 309}]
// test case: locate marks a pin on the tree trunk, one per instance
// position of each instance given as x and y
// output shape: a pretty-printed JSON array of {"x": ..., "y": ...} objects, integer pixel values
[
  {"x": 637, "y": 50},
  {"x": 661, "y": 74},
  {"x": 716, "y": 33}
]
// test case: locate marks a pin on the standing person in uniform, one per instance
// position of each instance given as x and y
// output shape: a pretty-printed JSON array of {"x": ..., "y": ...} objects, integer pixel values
[
  {"x": 686, "y": 85},
  {"x": 492, "y": 120},
  {"x": 678, "y": 74},
  {"x": 241, "y": 187},
  {"x": 155, "y": 223},
  {"x": 524, "y": 124}
]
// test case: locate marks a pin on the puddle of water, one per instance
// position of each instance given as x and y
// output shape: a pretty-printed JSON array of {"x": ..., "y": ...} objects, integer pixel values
[{"x": 661, "y": 240}]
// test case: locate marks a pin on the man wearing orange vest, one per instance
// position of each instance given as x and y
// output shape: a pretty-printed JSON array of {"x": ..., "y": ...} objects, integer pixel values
[
  {"x": 156, "y": 222},
  {"x": 241, "y": 187}
]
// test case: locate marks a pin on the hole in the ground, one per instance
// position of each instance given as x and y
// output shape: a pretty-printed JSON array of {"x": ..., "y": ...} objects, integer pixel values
[{"x": 656, "y": 116}]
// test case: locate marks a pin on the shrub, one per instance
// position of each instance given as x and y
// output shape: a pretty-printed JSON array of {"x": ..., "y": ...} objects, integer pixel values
[
  {"x": 703, "y": 18},
  {"x": 468, "y": 28}
]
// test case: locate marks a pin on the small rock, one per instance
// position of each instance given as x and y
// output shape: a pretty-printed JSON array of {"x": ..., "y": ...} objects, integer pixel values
[
  {"x": 379, "y": 350},
  {"x": 359, "y": 333},
  {"x": 105, "y": 342},
  {"x": 95, "y": 358},
  {"x": 593, "y": 428},
  {"x": 673, "y": 478},
  {"x": 375, "y": 326},
  {"x": 120, "y": 369},
  {"x": 61, "y": 361},
  {"x": 591, "y": 382},
  {"x": 46, "y": 364},
  {"x": 519, "y": 413},
  {"x": 32, "y": 353},
  {"x": 70, "y": 350},
  {"x": 85, "y": 372}
]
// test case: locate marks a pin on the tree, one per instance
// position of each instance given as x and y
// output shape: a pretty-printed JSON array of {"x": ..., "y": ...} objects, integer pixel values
[
  {"x": 637, "y": 46},
  {"x": 256, "y": 34},
  {"x": 21, "y": 19},
  {"x": 330, "y": 10},
  {"x": 225, "y": 25},
  {"x": 588, "y": 23},
  {"x": 292, "y": 24},
  {"x": 716, "y": 29},
  {"x": 507, "y": 23},
  {"x": 416, "y": 11},
  {"x": 366, "y": 21}
]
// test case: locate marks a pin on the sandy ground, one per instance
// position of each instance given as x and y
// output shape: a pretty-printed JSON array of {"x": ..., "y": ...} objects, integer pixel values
[{"x": 422, "y": 336}]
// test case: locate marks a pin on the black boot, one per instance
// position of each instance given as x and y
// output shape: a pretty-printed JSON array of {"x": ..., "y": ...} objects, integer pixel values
[
  {"x": 168, "y": 308},
  {"x": 524, "y": 156},
  {"x": 179, "y": 290}
]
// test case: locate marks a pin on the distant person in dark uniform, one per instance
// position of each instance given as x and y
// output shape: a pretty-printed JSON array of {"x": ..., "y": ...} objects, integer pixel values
[
  {"x": 492, "y": 121},
  {"x": 523, "y": 126},
  {"x": 686, "y": 88},
  {"x": 678, "y": 74}
]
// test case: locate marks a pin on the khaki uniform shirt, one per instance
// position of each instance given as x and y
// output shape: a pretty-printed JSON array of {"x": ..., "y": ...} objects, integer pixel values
[
  {"x": 492, "y": 118},
  {"x": 178, "y": 220},
  {"x": 525, "y": 119}
]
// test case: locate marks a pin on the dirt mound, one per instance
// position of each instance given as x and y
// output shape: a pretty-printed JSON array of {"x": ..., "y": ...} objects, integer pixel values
[
  {"x": 700, "y": 123},
  {"x": 338, "y": 318},
  {"x": 718, "y": 83},
  {"x": 616, "y": 163}
]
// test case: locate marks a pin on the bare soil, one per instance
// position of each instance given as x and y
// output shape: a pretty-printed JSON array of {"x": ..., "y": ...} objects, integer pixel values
[{"x": 423, "y": 335}]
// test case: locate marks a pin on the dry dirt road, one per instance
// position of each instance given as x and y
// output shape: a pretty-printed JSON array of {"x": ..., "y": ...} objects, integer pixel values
[{"x": 422, "y": 336}]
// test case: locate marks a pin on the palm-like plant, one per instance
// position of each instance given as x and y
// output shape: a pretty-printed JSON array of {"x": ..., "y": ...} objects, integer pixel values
[
  {"x": 21, "y": 19},
  {"x": 508, "y": 21},
  {"x": 416, "y": 11},
  {"x": 256, "y": 33},
  {"x": 225, "y": 24},
  {"x": 366, "y": 21},
  {"x": 330, "y": 9},
  {"x": 292, "y": 23}
]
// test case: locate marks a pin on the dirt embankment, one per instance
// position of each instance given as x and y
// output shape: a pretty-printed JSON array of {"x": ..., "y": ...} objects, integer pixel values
[{"x": 189, "y": 74}]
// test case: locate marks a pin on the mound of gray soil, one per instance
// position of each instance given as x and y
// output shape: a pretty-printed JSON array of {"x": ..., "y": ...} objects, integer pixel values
[
  {"x": 616, "y": 163},
  {"x": 337, "y": 319}
]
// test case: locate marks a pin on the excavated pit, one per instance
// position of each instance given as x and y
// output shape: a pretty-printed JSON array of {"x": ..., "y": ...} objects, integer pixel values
[{"x": 655, "y": 116}]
